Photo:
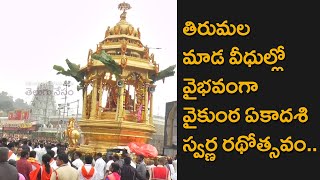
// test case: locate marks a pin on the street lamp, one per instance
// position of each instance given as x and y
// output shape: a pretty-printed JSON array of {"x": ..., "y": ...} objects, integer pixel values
[
  {"x": 68, "y": 110},
  {"x": 146, "y": 46},
  {"x": 59, "y": 110},
  {"x": 66, "y": 106},
  {"x": 77, "y": 101},
  {"x": 59, "y": 128},
  {"x": 77, "y": 110},
  {"x": 67, "y": 84}
]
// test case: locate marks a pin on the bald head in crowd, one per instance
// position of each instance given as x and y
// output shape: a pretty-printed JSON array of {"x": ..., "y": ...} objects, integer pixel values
[{"x": 4, "y": 151}]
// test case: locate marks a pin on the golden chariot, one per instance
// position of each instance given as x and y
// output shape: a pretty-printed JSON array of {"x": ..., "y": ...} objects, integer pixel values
[{"x": 126, "y": 114}]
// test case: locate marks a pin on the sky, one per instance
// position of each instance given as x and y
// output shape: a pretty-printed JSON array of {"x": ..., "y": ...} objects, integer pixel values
[{"x": 37, "y": 34}]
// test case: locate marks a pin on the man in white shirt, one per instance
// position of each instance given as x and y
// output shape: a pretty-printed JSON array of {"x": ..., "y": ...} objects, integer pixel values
[
  {"x": 40, "y": 152},
  {"x": 175, "y": 162},
  {"x": 110, "y": 161},
  {"x": 36, "y": 148},
  {"x": 87, "y": 171},
  {"x": 133, "y": 164},
  {"x": 55, "y": 149},
  {"x": 30, "y": 145},
  {"x": 53, "y": 163},
  {"x": 100, "y": 166},
  {"x": 12, "y": 150},
  {"x": 77, "y": 161}
]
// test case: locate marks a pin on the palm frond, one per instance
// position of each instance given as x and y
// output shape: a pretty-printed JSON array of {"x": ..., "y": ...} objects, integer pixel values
[
  {"x": 73, "y": 66},
  {"x": 110, "y": 64},
  {"x": 61, "y": 70},
  {"x": 73, "y": 71},
  {"x": 169, "y": 71},
  {"x": 58, "y": 68}
]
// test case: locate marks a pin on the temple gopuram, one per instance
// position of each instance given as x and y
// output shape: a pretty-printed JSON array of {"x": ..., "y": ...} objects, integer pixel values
[{"x": 126, "y": 114}]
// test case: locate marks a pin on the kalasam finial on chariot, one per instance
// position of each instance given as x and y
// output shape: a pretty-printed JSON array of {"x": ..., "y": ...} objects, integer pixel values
[{"x": 124, "y": 6}]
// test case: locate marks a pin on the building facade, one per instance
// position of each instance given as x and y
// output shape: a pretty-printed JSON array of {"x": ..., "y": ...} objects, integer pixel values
[
  {"x": 43, "y": 104},
  {"x": 158, "y": 138},
  {"x": 170, "y": 129}
]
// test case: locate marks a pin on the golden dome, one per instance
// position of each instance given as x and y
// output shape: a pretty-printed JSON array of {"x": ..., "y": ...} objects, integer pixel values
[
  {"x": 123, "y": 28},
  {"x": 123, "y": 42}
]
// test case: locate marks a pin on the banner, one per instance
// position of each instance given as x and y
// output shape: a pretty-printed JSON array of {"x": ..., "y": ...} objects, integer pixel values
[
  {"x": 18, "y": 115},
  {"x": 25, "y": 115},
  {"x": 11, "y": 115}
]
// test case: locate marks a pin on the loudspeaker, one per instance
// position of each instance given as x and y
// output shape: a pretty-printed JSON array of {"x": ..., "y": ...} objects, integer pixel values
[
  {"x": 120, "y": 83},
  {"x": 152, "y": 89}
]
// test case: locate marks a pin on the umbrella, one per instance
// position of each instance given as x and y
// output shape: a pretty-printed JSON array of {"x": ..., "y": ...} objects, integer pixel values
[{"x": 147, "y": 150}]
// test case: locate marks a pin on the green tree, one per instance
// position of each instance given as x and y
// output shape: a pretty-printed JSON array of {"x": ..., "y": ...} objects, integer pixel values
[
  {"x": 20, "y": 104},
  {"x": 6, "y": 102}
]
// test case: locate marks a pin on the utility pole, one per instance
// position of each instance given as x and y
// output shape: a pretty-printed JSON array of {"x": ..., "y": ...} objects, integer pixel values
[
  {"x": 68, "y": 110},
  {"x": 68, "y": 106},
  {"x": 67, "y": 84},
  {"x": 77, "y": 110},
  {"x": 60, "y": 122}
]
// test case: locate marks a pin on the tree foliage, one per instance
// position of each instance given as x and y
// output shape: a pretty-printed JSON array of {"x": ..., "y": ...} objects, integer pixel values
[
  {"x": 111, "y": 65},
  {"x": 8, "y": 104},
  {"x": 72, "y": 71}
]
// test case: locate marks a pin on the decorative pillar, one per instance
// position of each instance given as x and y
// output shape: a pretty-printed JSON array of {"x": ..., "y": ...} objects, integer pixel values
[
  {"x": 93, "y": 113},
  {"x": 146, "y": 97},
  {"x": 100, "y": 92},
  {"x": 134, "y": 99},
  {"x": 124, "y": 99},
  {"x": 84, "y": 105},
  {"x": 121, "y": 101},
  {"x": 151, "y": 107},
  {"x": 120, "y": 110}
]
